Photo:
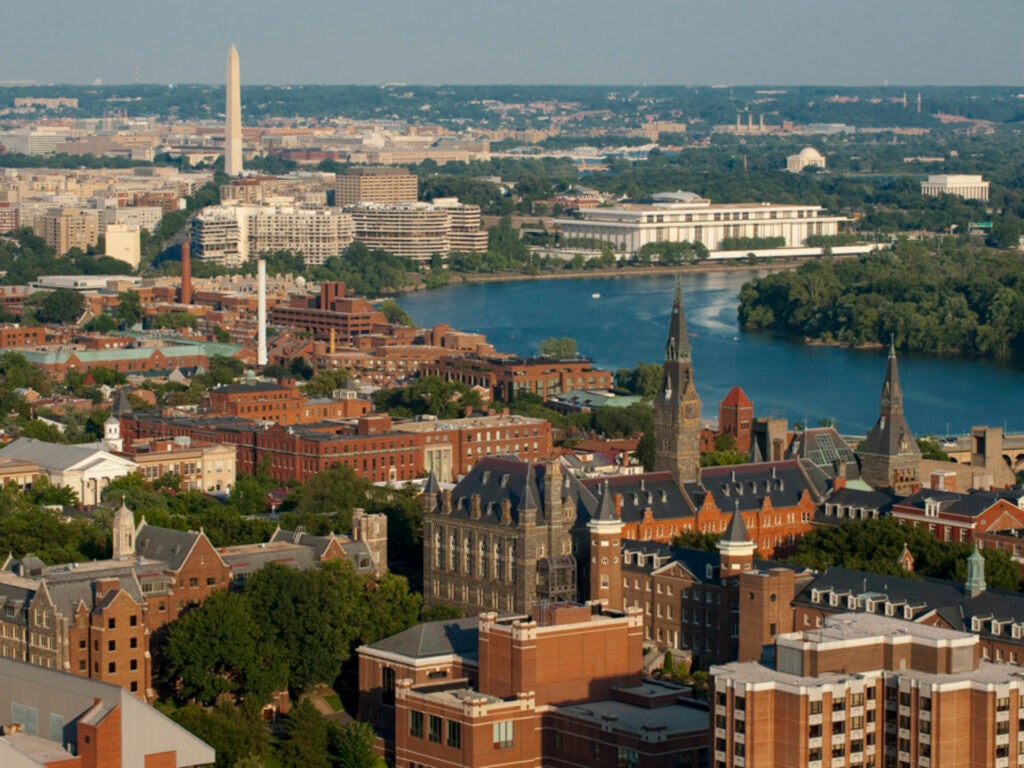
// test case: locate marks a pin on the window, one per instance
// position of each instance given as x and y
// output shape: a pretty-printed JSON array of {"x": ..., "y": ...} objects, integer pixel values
[
  {"x": 857, "y": 700},
  {"x": 133, "y": 642},
  {"x": 816, "y": 707},
  {"x": 133, "y": 665},
  {"x": 416, "y": 724},
  {"x": 111, "y": 623},
  {"x": 193, "y": 582},
  {"x": 503, "y": 734},
  {"x": 112, "y": 667},
  {"x": 454, "y": 734},
  {"x": 434, "y": 729},
  {"x": 111, "y": 645},
  {"x": 133, "y": 620}
]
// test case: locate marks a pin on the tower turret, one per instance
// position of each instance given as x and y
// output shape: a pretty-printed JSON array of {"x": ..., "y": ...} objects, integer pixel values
[{"x": 606, "y": 553}]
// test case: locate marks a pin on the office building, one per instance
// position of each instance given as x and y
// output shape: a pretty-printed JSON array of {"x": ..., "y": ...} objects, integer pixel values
[
  {"x": 385, "y": 186},
  {"x": 67, "y": 228}
]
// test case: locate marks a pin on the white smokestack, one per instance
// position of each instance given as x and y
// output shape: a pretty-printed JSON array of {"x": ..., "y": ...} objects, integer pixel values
[{"x": 261, "y": 314}]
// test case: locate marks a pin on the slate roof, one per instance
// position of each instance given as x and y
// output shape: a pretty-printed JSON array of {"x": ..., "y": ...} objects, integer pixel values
[
  {"x": 783, "y": 482},
  {"x": 497, "y": 478},
  {"x": 969, "y": 504},
  {"x": 854, "y": 497},
  {"x": 457, "y": 637},
  {"x": 948, "y": 599},
  {"x": 656, "y": 491},
  {"x": 165, "y": 544}
]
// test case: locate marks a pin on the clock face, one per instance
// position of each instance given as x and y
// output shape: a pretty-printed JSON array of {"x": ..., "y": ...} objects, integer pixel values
[{"x": 691, "y": 410}]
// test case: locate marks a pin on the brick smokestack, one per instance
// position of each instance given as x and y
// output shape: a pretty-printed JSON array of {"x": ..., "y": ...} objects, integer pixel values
[{"x": 186, "y": 274}]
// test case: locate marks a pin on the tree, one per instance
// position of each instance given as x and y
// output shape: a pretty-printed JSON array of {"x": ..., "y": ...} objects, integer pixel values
[
  {"x": 390, "y": 608},
  {"x": 352, "y": 746},
  {"x": 60, "y": 306},
  {"x": 219, "y": 648},
  {"x": 129, "y": 308},
  {"x": 931, "y": 450},
  {"x": 395, "y": 314},
  {"x": 307, "y": 736},
  {"x": 335, "y": 491},
  {"x": 325, "y": 382},
  {"x": 101, "y": 324},
  {"x": 238, "y": 736},
  {"x": 560, "y": 349}
]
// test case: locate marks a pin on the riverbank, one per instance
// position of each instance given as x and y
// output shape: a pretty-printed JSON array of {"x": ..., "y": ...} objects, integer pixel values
[{"x": 698, "y": 268}]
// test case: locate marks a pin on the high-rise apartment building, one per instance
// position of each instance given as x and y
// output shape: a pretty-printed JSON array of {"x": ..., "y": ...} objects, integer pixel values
[
  {"x": 233, "y": 118},
  {"x": 871, "y": 691},
  {"x": 67, "y": 228},
  {"x": 376, "y": 185}
]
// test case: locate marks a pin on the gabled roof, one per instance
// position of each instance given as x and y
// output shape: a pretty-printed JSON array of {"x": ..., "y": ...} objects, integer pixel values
[
  {"x": 782, "y": 482},
  {"x": 55, "y": 457},
  {"x": 656, "y": 491},
  {"x": 173, "y": 547}
]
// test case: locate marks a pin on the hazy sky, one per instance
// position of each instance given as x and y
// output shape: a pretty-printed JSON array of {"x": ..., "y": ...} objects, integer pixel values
[{"x": 865, "y": 42}]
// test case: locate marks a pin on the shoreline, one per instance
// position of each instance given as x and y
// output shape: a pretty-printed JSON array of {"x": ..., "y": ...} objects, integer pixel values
[{"x": 627, "y": 271}]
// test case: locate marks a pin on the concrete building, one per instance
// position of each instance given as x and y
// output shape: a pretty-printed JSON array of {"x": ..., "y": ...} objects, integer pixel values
[
  {"x": 686, "y": 217},
  {"x": 969, "y": 187},
  {"x": 385, "y": 186},
  {"x": 419, "y": 230},
  {"x": 56, "y": 720},
  {"x": 67, "y": 228},
  {"x": 235, "y": 234},
  {"x": 808, "y": 157},
  {"x": 864, "y": 690},
  {"x": 123, "y": 243},
  {"x": 233, "y": 117}
]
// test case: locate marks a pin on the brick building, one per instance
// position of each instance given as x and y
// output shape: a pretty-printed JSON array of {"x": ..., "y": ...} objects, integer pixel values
[
  {"x": 282, "y": 403},
  {"x": 14, "y": 335},
  {"x": 331, "y": 315},
  {"x": 57, "y": 720},
  {"x": 506, "y": 378},
  {"x": 560, "y": 687},
  {"x": 97, "y": 619},
  {"x": 866, "y": 690},
  {"x": 735, "y": 417}
]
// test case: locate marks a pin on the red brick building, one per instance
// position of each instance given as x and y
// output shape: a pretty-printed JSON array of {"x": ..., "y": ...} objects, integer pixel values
[
  {"x": 507, "y": 378},
  {"x": 330, "y": 315},
  {"x": 282, "y": 403},
  {"x": 561, "y": 687},
  {"x": 864, "y": 690},
  {"x": 735, "y": 418}
]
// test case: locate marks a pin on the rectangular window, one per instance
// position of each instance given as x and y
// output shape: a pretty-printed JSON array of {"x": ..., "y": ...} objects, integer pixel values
[
  {"x": 503, "y": 734},
  {"x": 454, "y": 739},
  {"x": 416, "y": 724},
  {"x": 434, "y": 728}
]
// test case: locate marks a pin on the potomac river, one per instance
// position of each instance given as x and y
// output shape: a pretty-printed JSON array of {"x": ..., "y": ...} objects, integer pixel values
[{"x": 620, "y": 321}]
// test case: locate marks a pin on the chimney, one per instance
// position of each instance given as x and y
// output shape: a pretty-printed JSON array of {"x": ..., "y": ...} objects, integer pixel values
[
  {"x": 261, "y": 314},
  {"x": 186, "y": 274}
]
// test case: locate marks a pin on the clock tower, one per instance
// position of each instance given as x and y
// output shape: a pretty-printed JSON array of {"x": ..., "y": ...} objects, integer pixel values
[{"x": 677, "y": 406}]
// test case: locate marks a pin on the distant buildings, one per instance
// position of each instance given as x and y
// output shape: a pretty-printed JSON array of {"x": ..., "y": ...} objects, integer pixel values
[
  {"x": 686, "y": 217},
  {"x": 67, "y": 228},
  {"x": 969, "y": 187},
  {"x": 418, "y": 231}
]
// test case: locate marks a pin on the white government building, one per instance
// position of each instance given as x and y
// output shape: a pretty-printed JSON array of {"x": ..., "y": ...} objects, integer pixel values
[
  {"x": 969, "y": 187},
  {"x": 687, "y": 217}
]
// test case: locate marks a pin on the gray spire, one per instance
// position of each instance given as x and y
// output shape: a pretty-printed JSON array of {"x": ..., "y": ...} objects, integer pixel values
[
  {"x": 433, "y": 485},
  {"x": 528, "y": 501},
  {"x": 736, "y": 533},
  {"x": 678, "y": 345},
  {"x": 606, "y": 512}
]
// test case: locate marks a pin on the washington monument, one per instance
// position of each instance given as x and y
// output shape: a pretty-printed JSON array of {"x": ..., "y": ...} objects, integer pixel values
[{"x": 233, "y": 115}]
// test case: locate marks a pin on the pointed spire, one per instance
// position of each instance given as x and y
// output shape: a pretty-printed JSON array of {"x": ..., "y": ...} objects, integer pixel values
[
  {"x": 433, "y": 485},
  {"x": 528, "y": 501},
  {"x": 892, "y": 395},
  {"x": 678, "y": 344},
  {"x": 606, "y": 511},
  {"x": 736, "y": 532},
  {"x": 755, "y": 453}
]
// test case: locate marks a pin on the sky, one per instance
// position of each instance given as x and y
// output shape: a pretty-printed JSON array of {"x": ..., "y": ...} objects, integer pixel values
[{"x": 653, "y": 42}]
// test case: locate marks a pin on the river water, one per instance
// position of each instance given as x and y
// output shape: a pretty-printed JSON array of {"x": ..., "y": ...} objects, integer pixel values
[{"x": 628, "y": 322}]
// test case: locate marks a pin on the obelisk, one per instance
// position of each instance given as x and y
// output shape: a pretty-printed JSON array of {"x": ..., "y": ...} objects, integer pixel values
[{"x": 233, "y": 118}]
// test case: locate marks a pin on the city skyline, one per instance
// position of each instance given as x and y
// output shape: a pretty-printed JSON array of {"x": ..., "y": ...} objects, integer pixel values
[{"x": 654, "y": 42}]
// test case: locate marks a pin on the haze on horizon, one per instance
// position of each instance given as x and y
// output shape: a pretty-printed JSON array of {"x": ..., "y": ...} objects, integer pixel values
[{"x": 653, "y": 42}]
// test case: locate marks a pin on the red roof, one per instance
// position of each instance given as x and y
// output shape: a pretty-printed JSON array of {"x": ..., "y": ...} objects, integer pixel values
[{"x": 737, "y": 398}]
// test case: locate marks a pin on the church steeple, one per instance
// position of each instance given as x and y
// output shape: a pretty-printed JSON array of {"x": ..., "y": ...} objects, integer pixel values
[
  {"x": 677, "y": 407},
  {"x": 890, "y": 456}
]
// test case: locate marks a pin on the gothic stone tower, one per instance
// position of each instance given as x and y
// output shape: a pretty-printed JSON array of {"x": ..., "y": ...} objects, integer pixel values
[
  {"x": 890, "y": 457},
  {"x": 677, "y": 407}
]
